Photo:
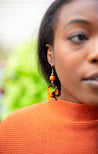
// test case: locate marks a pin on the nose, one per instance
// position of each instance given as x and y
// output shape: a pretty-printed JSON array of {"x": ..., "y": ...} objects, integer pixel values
[{"x": 93, "y": 54}]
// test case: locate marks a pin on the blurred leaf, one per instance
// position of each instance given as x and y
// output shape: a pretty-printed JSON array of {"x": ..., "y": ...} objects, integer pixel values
[{"x": 23, "y": 84}]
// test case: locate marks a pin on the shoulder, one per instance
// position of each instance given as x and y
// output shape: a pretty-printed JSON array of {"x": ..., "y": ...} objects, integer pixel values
[
  {"x": 21, "y": 122},
  {"x": 22, "y": 115},
  {"x": 24, "y": 126}
]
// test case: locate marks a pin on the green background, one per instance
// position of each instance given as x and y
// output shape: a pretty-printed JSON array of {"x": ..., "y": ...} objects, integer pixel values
[{"x": 23, "y": 83}]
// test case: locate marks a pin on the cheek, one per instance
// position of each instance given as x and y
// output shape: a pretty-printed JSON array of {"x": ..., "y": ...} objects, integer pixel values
[
  {"x": 66, "y": 61},
  {"x": 69, "y": 61}
]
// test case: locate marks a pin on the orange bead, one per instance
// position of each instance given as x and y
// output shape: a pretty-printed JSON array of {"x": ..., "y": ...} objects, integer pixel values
[{"x": 52, "y": 78}]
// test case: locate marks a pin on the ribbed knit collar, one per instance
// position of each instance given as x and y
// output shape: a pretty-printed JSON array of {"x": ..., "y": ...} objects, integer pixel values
[{"x": 70, "y": 111}]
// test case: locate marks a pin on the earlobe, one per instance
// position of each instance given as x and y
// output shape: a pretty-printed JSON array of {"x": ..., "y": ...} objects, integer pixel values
[{"x": 50, "y": 55}]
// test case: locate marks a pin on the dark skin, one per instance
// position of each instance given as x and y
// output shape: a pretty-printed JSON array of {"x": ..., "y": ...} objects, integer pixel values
[{"x": 75, "y": 51}]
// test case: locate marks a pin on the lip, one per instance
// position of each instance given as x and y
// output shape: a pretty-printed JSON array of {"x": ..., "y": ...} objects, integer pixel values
[
  {"x": 91, "y": 76},
  {"x": 90, "y": 80},
  {"x": 92, "y": 83}
]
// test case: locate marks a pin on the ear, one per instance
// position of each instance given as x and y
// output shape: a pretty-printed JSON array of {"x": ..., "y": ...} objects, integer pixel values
[{"x": 50, "y": 55}]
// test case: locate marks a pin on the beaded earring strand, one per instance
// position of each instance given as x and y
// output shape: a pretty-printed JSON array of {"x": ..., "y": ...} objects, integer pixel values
[{"x": 52, "y": 85}]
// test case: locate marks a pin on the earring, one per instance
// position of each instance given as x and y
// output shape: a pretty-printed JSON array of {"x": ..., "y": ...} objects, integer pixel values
[{"x": 52, "y": 85}]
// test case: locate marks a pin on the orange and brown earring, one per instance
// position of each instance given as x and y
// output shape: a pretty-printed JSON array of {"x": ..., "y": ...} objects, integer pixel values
[{"x": 52, "y": 85}]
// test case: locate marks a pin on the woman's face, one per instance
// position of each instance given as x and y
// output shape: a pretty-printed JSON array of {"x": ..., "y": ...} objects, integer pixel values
[{"x": 75, "y": 51}]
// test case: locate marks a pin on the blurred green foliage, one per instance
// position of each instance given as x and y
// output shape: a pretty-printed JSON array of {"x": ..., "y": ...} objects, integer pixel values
[{"x": 23, "y": 83}]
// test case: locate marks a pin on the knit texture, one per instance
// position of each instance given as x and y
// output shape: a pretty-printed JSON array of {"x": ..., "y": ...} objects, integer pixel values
[{"x": 51, "y": 127}]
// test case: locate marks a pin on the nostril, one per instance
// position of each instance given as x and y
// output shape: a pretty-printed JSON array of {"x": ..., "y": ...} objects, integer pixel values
[{"x": 95, "y": 60}]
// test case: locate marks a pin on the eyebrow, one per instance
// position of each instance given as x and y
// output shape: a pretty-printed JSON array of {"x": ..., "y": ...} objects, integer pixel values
[{"x": 77, "y": 21}]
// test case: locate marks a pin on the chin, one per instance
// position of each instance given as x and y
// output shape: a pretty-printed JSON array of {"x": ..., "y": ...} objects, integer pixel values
[{"x": 92, "y": 103}]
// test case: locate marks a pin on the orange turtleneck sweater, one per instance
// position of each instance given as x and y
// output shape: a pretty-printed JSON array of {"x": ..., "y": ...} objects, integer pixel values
[{"x": 51, "y": 127}]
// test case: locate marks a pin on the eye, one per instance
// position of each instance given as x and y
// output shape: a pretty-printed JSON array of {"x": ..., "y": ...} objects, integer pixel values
[{"x": 79, "y": 38}]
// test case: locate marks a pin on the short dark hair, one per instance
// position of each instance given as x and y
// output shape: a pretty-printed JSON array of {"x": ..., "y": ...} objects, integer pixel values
[{"x": 46, "y": 36}]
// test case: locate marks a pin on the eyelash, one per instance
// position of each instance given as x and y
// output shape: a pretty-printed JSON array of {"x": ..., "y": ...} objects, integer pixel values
[{"x": 84, "y": 37}]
